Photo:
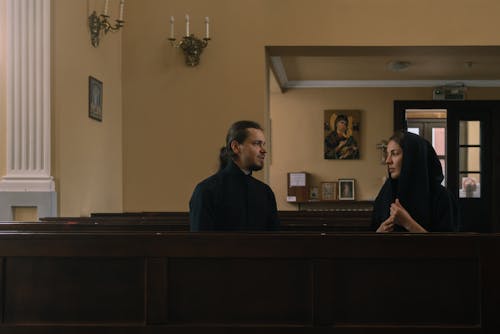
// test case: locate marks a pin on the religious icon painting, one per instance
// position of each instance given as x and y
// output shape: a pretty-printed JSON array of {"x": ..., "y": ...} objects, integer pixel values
[
  {"x": 342, "y": 134},
  {"x": 95, "y": 99}
]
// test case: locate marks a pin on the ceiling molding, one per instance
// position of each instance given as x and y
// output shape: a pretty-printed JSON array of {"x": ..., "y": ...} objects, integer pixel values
[
  {"x": 387, "y": 83},
  {"x": 366, "y": 66},
  {"x": 397, "y": 51},
  {"x": 279, "y": 72}
]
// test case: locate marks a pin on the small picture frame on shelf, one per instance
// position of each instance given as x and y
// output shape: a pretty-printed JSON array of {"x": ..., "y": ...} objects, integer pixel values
[
  {"x": 328, "y": 191},
  {"x": 314, "y": 193},
  {"x": 346, "y": 189}
]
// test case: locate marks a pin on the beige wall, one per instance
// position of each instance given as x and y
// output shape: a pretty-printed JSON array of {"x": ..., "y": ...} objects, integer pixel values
[
  {"x": 175, "y": 117},
  {"x": 3, "y": 106},
  {"x": 297, "y": 142},
  {"x": 87, "y": 155}
]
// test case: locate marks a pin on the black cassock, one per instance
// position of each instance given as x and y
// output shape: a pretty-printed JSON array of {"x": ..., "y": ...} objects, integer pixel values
[
  {"x": 230, "y": 200},
  {"x": 419, "y": 190}
]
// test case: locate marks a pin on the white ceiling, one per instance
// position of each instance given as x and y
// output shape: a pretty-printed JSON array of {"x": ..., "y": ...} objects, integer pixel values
[{"x": 429, "y": 66}]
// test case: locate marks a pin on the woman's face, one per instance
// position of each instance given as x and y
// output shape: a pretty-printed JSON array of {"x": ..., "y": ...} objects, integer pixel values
[{"x": 394, "y": 159}]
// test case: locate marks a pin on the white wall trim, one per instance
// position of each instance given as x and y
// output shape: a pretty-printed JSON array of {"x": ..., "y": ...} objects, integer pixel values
[
  {"x": 28, "y": 96},
  {"x": 28, "y": 88},
  {"x": 45, "y": 203},
  {"x": 279, "y": 71}
]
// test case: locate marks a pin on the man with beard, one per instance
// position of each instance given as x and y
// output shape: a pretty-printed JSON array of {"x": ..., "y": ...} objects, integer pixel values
[{"x": 231, "y": 199}]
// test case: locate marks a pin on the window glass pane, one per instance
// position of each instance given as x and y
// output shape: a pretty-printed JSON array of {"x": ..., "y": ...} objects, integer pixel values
[
  {"x": 470, "y": 185},
  {"x": 470, "y": 133},
  {"x": 469, "y": 158},
  {"x": 443, "y": 165},
  {"x": 438, "y": 140},
  {"x": 414, "y": 130}
]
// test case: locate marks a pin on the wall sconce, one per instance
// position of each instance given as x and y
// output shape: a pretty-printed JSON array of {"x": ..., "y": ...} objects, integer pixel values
[
  {"x": 100, "y": 23},
  {"x": 190, "y": 44}
]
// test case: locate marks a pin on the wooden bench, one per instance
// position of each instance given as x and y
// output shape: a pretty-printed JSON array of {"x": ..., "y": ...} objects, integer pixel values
[
  {"x": 177, "y": 282},
  {"x": 298, "y": 221}
]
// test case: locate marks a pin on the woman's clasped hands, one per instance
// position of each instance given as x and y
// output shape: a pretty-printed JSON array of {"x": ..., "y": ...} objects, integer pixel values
[{"x": 399, "y": 216}]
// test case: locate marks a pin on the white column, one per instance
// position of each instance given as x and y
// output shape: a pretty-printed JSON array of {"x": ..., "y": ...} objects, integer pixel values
[{"x": 28, "y": 97}]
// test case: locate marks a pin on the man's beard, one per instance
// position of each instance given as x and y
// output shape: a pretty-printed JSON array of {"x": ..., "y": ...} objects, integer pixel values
[{"x": 255, "y": 168}]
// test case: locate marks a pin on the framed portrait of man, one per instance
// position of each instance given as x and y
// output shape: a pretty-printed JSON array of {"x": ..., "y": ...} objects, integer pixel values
[{"x": 342, "y": 134}]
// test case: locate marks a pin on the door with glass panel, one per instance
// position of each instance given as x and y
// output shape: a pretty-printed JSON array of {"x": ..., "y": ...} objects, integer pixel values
[
  {"x": 431, "y": 128},
  {"x": 472, "y": 177},
  {"x": 463, "y": 139}
]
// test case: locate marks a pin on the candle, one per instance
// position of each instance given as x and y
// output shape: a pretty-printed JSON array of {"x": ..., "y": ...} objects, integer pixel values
[
  {"x": 187, "y": 25},
  {"x": 207, "y": 21},
  {"x": 106, "y": 5},
  {"x": 172, "y": 20},
  {"x": 122, "y": 4}
]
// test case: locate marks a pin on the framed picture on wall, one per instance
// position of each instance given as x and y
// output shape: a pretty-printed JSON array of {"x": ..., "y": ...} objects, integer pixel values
[
  {"x": 95, "y": 99},
  {"x": 346, "y": 189},
  {"x": 342, "y": 134}
]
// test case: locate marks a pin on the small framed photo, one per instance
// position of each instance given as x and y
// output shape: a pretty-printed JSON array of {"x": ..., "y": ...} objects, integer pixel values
[
  {"x": 314, "y": 193},
  {"x": 346, "y": 189},
  {"x": 95, "y": 99},
  {"x": 328, "y": 191}
]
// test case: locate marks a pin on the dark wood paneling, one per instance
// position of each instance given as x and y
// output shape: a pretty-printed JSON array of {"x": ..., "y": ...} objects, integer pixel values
[
  {"x": 326, "y": 221},
  {"x": 2, "y": 289},
  {"x": 490, "y": 274},
  {"x": 69, "y": 290},
  {"x": 406, "y": 291},
  {"x": 156, "y": 290},
  {"x": 150, "y": 282},
  {"x": 495, "y": 169},
  {"x": 240, "y": 291},
  {"x": 323, "y": 293}
]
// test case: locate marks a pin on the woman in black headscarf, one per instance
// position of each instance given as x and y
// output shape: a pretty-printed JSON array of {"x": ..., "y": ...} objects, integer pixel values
[{"x": 413, "y": 199}]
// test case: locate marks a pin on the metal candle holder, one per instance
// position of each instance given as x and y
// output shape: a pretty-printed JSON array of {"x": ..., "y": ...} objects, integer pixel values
[
  {"x": 192, "y": 48},
  {"x": 100, "y": 23}
]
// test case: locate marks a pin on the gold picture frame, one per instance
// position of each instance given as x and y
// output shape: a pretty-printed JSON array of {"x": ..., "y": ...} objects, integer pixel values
[{"x": 342, "y": 135}]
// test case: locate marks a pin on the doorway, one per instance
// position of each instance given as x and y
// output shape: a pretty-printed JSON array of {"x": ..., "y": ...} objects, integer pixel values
[
  {"x": 470, "y": 163},
  {"x": 430, "y": 124}
]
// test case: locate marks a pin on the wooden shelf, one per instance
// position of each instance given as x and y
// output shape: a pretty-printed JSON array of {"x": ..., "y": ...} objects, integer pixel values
[{"x": 337, "y": 205}]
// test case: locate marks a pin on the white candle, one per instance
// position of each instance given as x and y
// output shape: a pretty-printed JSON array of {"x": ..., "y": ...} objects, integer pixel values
[
  {"x": 122, "y": 4},
  {"x": 207, "y": 22},
  {"x": 106, "y": 5},
  {"x": 187, "y": 25},
  {"x": 172, "y": 20}
]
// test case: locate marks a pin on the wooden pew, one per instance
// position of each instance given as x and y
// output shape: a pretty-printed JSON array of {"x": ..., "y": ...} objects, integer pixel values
[
  {"x": 297, "y": 221},
  {"x": 176, "y": 282}
]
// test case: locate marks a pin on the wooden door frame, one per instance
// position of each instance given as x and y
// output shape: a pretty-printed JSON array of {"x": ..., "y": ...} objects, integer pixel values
[{"x": 493, "y": 107}]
